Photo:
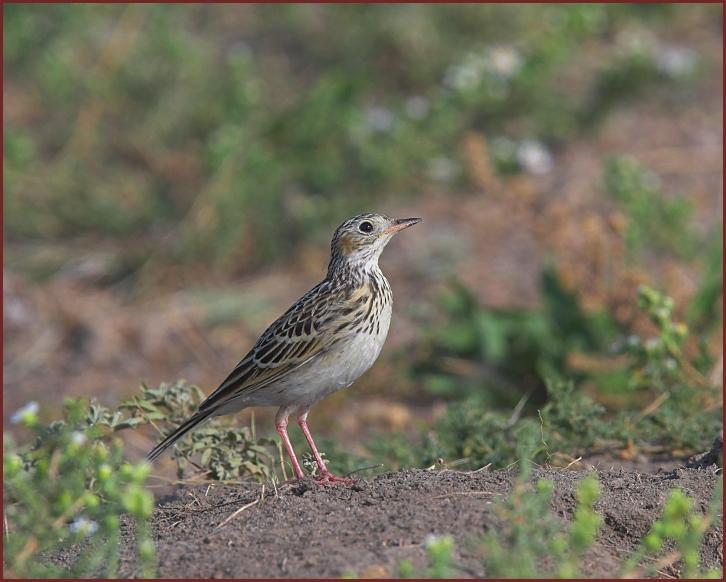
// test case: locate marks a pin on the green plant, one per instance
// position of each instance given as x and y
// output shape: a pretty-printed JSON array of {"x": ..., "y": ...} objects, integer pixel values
[
  {"x": 686, "y": 411},
  {"x": 681, "y": 410},
  {"x": 505, "y": 352},
  {"x": 658, "y": 362},
  {"x": 226, "y": 451},
  {"x": 685, "y": 528},
  {"x": 530, "y": 541},
  {"x": 654, "y": 221},
  {"x": 703, "y": 311},
  {"x": 440, "y": 553},
  {"x": 571, "y": 421},
  {"x": 68, "y": 488},
  {"x": 529, "y": 532}
]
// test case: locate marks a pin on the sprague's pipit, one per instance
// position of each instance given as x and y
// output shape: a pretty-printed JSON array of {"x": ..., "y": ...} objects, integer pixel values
[{"x": 323, "y": 343}]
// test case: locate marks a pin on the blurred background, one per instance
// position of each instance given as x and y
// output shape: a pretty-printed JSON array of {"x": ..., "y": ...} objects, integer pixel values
[{"x": 173, "y": 175}]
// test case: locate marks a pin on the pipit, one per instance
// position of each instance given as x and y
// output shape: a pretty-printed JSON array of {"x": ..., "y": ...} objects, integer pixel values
[{"x": 323, "y": 343}]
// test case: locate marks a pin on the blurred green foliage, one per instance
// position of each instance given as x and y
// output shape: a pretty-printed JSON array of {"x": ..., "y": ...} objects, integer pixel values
[
  {"x": 530, "y": 541},
  {"x": 68, "y": 487},
  {"x": 230, "y": 132},
  {"x": 439, "y": 554},
  {"x": 654, "y": 221},
  {"x": 666, "y": 399},
  {"x": 529, "y": 531},
  {"x": 511, "y": 350},
  {"x": 221, "y": 449},
  {"x": 686, "y": 527}
]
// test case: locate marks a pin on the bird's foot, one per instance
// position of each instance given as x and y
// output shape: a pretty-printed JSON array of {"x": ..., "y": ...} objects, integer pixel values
[{"x": 327, "y": 478}]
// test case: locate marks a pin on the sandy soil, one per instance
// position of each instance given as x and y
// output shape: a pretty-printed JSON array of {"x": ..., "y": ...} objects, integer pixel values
[{"x": 308, "y": 530}]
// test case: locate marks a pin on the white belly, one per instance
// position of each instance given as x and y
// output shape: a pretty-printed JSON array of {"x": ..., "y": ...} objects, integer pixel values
[{"x": 336, "y": 369}]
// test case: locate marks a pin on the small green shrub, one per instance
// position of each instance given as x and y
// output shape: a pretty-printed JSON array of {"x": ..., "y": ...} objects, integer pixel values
[
  {"x": 529, "y": 532},
  {"x": 439, "y": 553},
  {"x": 480, "y": 428},
  {"x": 68, "y": 488},
  {"x": 507, "y": 352},
  {"x": 530, "y": 541},
  {"x": 219, "y": 449},
  {"x": 654, "y": 221},
  {"x": 703, "y": 311},
  {"x": 685, "y": 528},
  {"x": 688, "y": 414}
]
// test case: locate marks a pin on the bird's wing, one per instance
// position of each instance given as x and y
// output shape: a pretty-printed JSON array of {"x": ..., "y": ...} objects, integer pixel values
[{"x": 303, "y": 333}]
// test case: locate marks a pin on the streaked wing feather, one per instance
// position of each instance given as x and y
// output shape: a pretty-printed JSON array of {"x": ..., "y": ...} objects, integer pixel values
[{"x": 294, "y": 339}]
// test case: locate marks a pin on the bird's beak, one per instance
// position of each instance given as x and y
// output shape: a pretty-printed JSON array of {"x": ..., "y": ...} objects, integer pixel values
[{"x": 400, "y": 224}]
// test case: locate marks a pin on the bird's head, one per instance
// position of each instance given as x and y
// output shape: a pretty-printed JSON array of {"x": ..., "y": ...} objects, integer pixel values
[{"x": 360, "y": 240}]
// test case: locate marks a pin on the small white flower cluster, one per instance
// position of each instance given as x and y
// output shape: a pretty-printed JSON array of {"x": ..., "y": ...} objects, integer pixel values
[
  {"x": 499, "y": 62},
  {"x": 675, "y": 61},
  {"x": 27, "y": 411},
  {"x": 669, "y": 60},
  {"x": 432, "y": 540},
  {"x": 379, "y": 119},
  {"x": 531, "y": 155},
  {"x": 78, "y": 438},
  {"x": 84, "y": 526},
  {"x": 534, "y": 157}
]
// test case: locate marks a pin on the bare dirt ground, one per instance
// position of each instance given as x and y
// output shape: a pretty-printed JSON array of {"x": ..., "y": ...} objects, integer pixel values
[{"x": 306, "y": 530}]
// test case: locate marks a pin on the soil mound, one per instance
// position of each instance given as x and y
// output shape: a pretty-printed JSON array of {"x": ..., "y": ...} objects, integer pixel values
[{"x": 306, "y": 530}]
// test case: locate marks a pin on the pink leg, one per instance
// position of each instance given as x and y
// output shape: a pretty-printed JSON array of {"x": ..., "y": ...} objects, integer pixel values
[
  {"x": 281, "y": 426},
  {"x": 325, "y": 475}
]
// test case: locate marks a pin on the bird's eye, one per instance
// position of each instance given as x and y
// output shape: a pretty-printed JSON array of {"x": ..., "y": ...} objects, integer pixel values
[{"x": 365, "y": 226}]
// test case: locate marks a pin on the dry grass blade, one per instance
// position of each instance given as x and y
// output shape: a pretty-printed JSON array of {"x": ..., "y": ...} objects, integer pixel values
[
  {"x": 577, "y": 460},
  {"x": 240, "y": 510},
  {"x": 243, "y": 508}
]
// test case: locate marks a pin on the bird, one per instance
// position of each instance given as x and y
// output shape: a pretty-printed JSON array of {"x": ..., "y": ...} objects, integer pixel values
[{"x": 323, "y": 343}]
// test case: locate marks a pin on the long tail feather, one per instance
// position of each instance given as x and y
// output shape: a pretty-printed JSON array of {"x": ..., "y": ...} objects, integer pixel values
[{"x": 183, "y": 429}]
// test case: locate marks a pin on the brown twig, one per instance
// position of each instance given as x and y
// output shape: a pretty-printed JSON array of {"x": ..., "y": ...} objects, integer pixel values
[{"x": 241, "y": 509}]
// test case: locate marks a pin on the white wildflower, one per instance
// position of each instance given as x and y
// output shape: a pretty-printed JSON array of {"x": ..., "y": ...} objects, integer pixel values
[
  {"x": 433, "y": 540},
  {"x": 379, "y": 119},
  {"x": 83, "y": 525},
  {"x": 534, "y": 157},
  {"x": 29, "y": 410},
  {"x": 674, "y": 61},
  {"x": 466, "y": 75},
  {"x": 652, "y": 344},
  {"x": 633, "y": 341},
  {"x": 78, "y": 438},
  {"x": 504, "y": 61}
]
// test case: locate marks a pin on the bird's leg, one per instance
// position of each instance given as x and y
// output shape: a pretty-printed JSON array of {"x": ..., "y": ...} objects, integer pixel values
[
  {"x": 281, "y": 426},
  {"x": 325, "y": 475}
]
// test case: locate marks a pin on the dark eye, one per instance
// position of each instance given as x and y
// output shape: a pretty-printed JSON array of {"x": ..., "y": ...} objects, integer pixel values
[{"x": 365, "y": 226}]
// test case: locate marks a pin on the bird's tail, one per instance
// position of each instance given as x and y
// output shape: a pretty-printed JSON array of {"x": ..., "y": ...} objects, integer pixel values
[{"x": 184, "y": 428}]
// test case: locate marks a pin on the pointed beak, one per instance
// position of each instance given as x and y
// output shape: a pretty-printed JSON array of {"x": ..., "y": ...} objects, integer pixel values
[{"x": 401, "y": 223}]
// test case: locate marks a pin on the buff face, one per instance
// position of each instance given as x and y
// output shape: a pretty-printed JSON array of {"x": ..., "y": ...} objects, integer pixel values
[{"x": 363, "y": 238}]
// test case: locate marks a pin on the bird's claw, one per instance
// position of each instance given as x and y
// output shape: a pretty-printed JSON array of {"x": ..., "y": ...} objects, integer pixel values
[{"x": 327, "y": 478}]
